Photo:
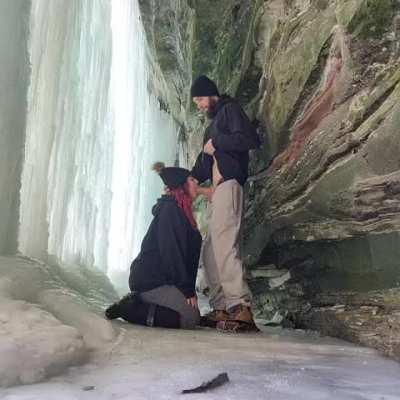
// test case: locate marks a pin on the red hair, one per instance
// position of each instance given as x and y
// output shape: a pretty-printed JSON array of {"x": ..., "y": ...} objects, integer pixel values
[{"x": 185, "y": 202}]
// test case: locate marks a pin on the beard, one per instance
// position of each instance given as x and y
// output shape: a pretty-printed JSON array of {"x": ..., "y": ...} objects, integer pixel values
[{"x": 212, "y": 108}]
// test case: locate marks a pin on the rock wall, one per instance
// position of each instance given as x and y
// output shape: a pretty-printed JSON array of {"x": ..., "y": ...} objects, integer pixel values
[
  {"x": 326, "y": 208},
  {"x": 321, "y": 80}
]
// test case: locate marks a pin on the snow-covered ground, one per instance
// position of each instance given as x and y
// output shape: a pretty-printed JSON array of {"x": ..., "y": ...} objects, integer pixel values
[
  {"x": 148, "y": 363},
  {"x": 50, "y": 318}
]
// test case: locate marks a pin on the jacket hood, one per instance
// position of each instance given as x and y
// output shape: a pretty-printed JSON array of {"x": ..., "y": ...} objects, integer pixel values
[
  {"x": 224, "y": 99},
  {"x": 164, "y": 200}
]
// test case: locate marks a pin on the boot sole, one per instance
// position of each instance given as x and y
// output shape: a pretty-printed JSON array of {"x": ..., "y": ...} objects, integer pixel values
[{"x": 234, "y": 326}]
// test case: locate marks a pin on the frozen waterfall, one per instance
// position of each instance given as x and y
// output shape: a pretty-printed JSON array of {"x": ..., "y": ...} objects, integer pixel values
[
  {"x": 144, "y": 134},
  {"x": 93, "y": 131}
]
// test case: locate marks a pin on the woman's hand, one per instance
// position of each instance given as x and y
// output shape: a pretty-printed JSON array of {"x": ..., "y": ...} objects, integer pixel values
[{"x": 192, "y": 301}]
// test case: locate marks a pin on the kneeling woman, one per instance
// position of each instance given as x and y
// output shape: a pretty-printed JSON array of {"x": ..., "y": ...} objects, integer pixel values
[{"x": 163, "y": 276}]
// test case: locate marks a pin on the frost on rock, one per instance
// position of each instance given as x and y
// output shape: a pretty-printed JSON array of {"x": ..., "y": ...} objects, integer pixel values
[{"x": 48, "y": 321}]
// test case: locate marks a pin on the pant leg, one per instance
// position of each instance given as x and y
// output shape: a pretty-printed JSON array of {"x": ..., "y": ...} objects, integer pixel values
[
  {"x": 132, "y": 309},
  {"x": 211, "y": 273},
  {"x": 225, "y": 228},
  {"x": 171, "y": 297}
]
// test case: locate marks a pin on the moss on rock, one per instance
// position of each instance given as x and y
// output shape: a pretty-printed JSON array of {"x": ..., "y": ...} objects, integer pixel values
[{"x": 374, "y": 18}]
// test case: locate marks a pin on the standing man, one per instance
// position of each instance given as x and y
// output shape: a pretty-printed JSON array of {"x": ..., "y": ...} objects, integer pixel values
[{"x": 224, "y": 161}]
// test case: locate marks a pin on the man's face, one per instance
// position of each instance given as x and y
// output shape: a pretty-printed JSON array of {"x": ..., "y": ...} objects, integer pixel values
[{"x": 204, "y": 104}]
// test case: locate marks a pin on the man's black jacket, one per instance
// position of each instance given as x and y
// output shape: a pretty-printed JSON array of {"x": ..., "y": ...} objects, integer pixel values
[
  {"x": 170, "y": 251},
  {"x": 233, "y": 136}
]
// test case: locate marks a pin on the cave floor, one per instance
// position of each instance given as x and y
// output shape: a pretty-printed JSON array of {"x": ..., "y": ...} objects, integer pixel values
[{"x": 277, "y": 364}]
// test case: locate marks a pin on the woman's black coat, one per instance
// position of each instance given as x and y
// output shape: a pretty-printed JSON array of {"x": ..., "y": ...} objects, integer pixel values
[{"x": 170, "y": 251}]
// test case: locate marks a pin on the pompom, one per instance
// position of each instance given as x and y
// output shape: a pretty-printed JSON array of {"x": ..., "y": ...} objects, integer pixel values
[{"x": 158, "y": 167}]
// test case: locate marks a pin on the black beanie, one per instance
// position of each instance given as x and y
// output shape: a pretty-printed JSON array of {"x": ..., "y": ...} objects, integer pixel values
[
  {"x": 172, "y": 177},
  {"x": 203, "y": 87}
]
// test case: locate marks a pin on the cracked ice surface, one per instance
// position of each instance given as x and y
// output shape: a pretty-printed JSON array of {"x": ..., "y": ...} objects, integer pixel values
[{"x": 157, "y": 364}]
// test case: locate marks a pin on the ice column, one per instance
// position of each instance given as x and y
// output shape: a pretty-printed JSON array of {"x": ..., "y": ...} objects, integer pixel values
[
  {"x": 65, "y": 196},
  {"x": 93, "y": 131},
  {"x": 143, "y": 134}
]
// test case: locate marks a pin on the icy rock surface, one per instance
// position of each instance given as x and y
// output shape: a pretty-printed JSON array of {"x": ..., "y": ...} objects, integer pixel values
[{"x": 48, "y": 322}]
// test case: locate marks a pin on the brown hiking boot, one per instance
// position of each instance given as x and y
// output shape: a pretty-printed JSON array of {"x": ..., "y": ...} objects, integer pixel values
[
  {"x": 240, "y": 320},
  {"x": 212, "y": 318}
]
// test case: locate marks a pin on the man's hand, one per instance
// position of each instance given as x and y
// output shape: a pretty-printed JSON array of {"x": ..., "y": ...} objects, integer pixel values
[
  {"x": 209, "y": 148},
  {"x": 192, "y": 301},
  {"x": 207, "y": 192}
]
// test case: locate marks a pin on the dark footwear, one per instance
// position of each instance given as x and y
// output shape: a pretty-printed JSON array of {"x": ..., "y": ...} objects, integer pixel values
[
  {"x": 113, "y": 311},
  {"x": 130, "y": 298},
  {"x": 212, "y": 318},
  {"x": 132, "y": 309}
]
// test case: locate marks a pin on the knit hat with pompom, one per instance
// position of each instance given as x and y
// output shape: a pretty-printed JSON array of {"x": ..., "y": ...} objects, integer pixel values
[{"x": 172, "y": 177}]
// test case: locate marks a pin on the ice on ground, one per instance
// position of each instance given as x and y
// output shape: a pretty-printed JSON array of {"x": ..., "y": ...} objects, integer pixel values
[
  {"x": 151, "y": 363},
  {"x": 50, "y": 318},
  {"x": 94, "y": 329},
  {"x": 34, "y": 344}
]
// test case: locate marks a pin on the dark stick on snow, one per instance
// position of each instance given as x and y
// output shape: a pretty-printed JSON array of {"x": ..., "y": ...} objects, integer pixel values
[{"x": 206, "y": 386}]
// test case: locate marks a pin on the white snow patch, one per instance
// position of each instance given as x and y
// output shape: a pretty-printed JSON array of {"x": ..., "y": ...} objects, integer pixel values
[
  {"x": 49, "y": 318},
  {"x": 96, "y": 331},
  {"x": 34, "y": 344},
  {"x": 279, "y": 281}
]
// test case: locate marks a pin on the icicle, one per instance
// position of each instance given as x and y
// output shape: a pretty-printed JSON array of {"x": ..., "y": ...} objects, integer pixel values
[{"x": 93, "y": 132}]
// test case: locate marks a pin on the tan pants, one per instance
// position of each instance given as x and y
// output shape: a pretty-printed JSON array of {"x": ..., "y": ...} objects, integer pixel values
[{"x": 221, "y": 258}]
